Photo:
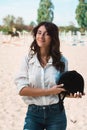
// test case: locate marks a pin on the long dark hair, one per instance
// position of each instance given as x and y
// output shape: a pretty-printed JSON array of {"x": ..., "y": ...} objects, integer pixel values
[{"x": 55, "y": 53}]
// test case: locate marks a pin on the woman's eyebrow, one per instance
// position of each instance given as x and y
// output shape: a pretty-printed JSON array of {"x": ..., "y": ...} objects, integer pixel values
[{"x": 41, "y": 31}]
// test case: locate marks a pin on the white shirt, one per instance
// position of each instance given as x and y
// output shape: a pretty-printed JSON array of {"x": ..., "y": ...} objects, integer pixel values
[{"x": 33, "y": 74}]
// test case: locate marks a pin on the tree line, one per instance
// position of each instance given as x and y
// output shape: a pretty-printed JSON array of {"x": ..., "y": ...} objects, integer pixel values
[{"x": 45, "y": 12}]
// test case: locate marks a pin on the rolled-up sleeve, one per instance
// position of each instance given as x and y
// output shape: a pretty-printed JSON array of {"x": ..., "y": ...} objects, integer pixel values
[{"x": 22, "y": 79}]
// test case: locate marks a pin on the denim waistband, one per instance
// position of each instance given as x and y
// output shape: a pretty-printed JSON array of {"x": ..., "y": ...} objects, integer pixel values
[{"x": 57, "y": 105}]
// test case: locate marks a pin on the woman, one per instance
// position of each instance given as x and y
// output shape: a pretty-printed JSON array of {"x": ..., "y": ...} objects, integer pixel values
[{"x": 37, "y": 79}]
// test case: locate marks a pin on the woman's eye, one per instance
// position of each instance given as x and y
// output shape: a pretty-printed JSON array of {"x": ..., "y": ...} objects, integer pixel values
[
  {"x": 44, "y": 34},
  {"x": 38, "y": 32}
]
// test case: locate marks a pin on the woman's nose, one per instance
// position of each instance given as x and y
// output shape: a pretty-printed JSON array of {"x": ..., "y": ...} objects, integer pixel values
[{"x": 42, "y": 35}]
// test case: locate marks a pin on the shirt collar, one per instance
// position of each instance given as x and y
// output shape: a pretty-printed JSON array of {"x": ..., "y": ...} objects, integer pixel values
[
  {"x": 50, "y": 61},
  {"x": 35, "y": 60}
]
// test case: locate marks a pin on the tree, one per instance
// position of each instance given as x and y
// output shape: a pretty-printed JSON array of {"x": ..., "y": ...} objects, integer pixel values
[
  {"x": 32, "y": 23},
  {"x": 81, "y": 14},
  {"x": 45, "y": 11},
  {"x": 9, "y": 21},
  {"x": 81, "y": 0},
  {"x": 85, "y": 1},
  {"x": 19, "y": 21}
]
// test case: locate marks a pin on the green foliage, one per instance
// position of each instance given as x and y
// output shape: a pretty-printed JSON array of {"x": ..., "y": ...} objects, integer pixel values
[
  {"x": 45, "y": 11},
  {"x": 9, "y": 20},
  {"x": 32, "y": 23},
  {"x": 4, "y": 29},
  {"x": 81, "y": 14},
  {"x": 19, "y": 21},
  {"x": 81, "y": 0}
]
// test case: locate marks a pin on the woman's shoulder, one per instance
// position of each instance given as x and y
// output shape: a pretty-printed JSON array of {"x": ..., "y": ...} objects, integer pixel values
[
  {"x": 64, "y": 59},
  {"x": 29, "y": 56}
]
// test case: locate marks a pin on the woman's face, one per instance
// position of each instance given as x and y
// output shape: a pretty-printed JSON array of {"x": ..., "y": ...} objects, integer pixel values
[{"x": 43, "y": 39}]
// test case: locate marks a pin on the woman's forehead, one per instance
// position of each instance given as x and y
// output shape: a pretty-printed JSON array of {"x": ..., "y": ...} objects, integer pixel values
[{"x": 42, "y": 29}]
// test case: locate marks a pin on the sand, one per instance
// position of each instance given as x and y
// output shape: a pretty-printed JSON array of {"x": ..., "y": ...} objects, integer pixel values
[{"x": 13, "y": 109}]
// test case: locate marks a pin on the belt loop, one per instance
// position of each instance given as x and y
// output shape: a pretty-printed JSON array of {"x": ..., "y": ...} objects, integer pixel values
[
  {"x": 37, "y": 108},
  {"x": 49, "y": 108}
]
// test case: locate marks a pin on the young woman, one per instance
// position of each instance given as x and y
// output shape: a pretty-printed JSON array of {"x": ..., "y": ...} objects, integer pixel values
[{"x": 37, "y": 80}]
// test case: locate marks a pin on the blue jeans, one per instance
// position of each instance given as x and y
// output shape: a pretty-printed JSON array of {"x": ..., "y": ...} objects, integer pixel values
[{"x": 45, "y": 118}]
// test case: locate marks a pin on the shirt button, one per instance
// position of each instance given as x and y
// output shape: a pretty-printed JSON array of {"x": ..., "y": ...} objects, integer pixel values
[{"x": 43, "y": 107}]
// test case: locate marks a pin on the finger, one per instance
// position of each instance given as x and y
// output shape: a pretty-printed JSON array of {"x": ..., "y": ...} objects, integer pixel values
[
  {"x": 61, "y": 89},
  {"x": 71, "y": 95},
  {"x": 60, "y": 85},
  {"x": 75, "y": 95},
  {"x": 79, "y": 94}
]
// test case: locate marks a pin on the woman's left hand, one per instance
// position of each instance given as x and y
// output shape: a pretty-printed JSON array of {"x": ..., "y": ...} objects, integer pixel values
[{"x": 76, "y": 95}]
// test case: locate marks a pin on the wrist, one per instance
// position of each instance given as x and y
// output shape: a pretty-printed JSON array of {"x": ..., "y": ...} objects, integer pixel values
[{"x": 48, "y": 92}]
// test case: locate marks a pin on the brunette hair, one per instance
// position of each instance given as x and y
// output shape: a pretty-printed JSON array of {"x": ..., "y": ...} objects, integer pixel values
[{"x": 55, "y": 53}]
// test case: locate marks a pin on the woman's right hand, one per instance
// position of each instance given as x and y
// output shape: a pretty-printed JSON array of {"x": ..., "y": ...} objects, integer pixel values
[{"x": 57, "y": 89}]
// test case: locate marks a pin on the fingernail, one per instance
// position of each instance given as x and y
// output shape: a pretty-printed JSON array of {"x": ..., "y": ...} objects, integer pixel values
[
  {"x": 62, "y": 84},
  {"x": 77, "y": 93}
]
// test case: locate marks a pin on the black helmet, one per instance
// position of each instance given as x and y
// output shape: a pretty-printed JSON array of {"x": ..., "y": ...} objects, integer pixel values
[{"x": 73, "y": 82}]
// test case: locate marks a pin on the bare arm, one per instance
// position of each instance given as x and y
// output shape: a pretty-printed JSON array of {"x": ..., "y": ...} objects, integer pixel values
[{"x": 34, "y": 92}]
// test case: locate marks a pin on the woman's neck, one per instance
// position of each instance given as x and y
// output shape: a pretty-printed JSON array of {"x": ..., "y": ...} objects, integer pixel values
[
  {"x": 44, "y": 53},
  {"x": 44, "y": 57}
]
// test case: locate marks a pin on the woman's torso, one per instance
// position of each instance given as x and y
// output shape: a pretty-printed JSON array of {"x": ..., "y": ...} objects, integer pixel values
[{"x": 41, "y": 77}]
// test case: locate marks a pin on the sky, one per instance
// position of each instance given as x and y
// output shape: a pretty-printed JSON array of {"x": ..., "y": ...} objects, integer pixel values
[{"x": 64, "y": 10}]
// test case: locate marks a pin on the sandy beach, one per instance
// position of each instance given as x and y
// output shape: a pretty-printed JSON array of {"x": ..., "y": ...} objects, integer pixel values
[{"x": 13, "y": 109}]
